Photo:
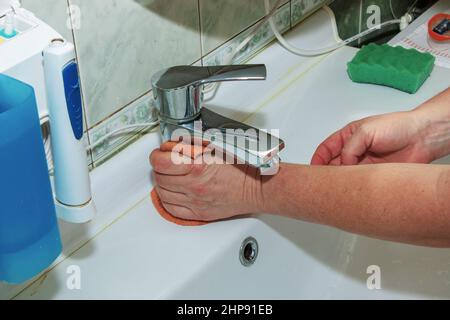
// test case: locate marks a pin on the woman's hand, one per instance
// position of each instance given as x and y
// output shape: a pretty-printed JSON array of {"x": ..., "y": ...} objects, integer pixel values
[
  {"x": 418, "y": 136},
  {"x": 391, "y": 138},
  {"x": 204, "y": 192}
]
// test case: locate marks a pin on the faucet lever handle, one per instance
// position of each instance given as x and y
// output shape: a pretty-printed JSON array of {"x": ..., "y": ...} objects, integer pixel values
[
  {"x": 235, "y": 73},
  {"x": 178, "y": 90},
  {"x": 188, "y": 76}
]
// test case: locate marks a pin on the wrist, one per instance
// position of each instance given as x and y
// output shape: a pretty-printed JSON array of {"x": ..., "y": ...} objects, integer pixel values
[
  {"x": 252, "y": 191},
  {"x": 258, "y": 191},
  {"x": 273, "y": 190},
  {"x": 286, "y": 194},
  {"x": 434, "y": 128}
]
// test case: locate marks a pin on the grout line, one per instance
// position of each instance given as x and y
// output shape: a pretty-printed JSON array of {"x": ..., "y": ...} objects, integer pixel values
[
  {"x": 83, "y": 98},
  {"x": 120, "y": 110},
  {"x": 242, "y": 31},
  {"x": 360, "y": 20},
  {"x": 291, "y": 25},
  {"x": 287, "y": 86},
  {"x": 200, "y": 28}
]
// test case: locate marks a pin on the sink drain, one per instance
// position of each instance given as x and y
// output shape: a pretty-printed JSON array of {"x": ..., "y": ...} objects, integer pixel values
[{"x": 249, "y": 252}]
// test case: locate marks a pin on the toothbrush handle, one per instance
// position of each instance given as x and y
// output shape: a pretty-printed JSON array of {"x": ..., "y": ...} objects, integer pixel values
[{"x": 72, "y": 183}]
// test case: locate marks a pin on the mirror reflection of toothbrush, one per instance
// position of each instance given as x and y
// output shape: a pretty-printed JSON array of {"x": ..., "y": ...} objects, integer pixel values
[{"x": 8, "y": 30}]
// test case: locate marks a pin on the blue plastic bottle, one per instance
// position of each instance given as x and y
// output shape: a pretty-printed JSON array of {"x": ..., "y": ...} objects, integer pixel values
[{"x": 29, "y": 235}]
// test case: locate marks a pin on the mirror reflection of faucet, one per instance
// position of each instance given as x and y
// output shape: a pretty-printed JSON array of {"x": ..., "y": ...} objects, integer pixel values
[{"x": 178, "y": 92}]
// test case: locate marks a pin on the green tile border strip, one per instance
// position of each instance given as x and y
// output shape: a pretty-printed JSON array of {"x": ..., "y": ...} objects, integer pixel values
[{"x": 140, "y": 111}]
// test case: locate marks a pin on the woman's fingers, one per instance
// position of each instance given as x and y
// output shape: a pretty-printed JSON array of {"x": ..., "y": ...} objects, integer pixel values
[
  {"x": 170, "y": 197},
  {"x": 192, "y": 150},
  {"x": 332, "y": 147},
  {"x": 172, "y": 183},
  {"x": 170, "y": 163},
  {"x": 177, "y": 158},
  {"x": 336, "y": 161},
  {"x": 356, "y": 147},
  {"x": 168, "y": 146}
]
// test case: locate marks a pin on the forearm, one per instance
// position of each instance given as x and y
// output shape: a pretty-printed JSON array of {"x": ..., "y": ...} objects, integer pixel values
[
  {"x": 434, "y": 118},
  {"x": 406, "y": 203}
]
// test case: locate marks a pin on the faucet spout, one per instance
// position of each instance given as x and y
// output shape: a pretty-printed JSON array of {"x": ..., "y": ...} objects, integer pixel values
[{"x": 179, "y": 98}]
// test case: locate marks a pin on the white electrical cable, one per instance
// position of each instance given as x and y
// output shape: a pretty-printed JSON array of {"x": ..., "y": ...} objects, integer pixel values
[
  {"x": 269, "y": 18},
  {"x": 321, "y": 51},
  {"x": 48, "y": 149},
  {"x": 231, "y": 58},
  {"x": 47, "y": 138},
  {"x": 150, "y": 125}
]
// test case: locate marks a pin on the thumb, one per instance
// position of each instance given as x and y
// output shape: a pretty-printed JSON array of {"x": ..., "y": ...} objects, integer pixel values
[{"x": 359, "y": 143}]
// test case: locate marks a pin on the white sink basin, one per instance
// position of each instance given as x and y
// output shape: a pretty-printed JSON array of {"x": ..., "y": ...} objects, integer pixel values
[{"x": 141, "y": 256}]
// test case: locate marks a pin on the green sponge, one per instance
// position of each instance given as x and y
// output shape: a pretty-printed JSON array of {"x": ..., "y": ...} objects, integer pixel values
[{"x": 397, "y": 67}]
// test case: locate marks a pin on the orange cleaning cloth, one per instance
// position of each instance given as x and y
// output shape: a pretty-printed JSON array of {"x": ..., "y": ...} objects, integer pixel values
[{"x": 194, "y": 152}]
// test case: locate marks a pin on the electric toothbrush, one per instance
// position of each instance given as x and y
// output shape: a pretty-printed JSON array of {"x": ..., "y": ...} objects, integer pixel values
[{"x": 73, "y": 197}]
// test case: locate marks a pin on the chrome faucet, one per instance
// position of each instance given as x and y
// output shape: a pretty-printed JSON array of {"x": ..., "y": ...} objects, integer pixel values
[{"x": 178, "y": 92}]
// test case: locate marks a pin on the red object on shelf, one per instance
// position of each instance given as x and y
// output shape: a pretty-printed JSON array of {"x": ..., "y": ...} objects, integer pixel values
[{"x": 433, "y": 23}]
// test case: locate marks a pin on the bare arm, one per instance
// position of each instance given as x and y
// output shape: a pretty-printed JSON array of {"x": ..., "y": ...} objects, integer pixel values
[
  {"x": 405, "y": 203},
  {"x": 399, "y": 202}
]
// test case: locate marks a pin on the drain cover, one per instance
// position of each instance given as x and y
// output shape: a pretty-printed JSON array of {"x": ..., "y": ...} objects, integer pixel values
[{"x": 248, "y": 252}]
